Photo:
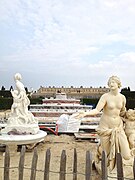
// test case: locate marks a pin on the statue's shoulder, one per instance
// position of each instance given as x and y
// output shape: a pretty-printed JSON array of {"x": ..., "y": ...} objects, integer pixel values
[
  {"x": 123, "y": 96},
  {"x": 104, "y": 96}
]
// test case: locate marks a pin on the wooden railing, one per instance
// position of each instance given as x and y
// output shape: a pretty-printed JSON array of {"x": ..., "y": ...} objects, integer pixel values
[{"x": 88, "y": 175}]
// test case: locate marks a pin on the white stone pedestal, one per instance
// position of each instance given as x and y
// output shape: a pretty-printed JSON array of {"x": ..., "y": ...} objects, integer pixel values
[{"x": 13, "y": 140}]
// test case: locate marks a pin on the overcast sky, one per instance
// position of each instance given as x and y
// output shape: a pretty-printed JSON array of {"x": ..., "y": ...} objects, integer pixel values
[{"x": 67, "y": 42}]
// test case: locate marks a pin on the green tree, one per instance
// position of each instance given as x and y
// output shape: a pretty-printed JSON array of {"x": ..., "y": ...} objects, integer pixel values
[
  {"x": 2, "y": 88},
  {"x": 11, "y": 88}
]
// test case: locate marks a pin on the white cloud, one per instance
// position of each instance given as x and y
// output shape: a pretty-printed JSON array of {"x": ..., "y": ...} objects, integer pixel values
[
  {"x": 64, "y": 38},
  {"x": 128, "y": 57}
]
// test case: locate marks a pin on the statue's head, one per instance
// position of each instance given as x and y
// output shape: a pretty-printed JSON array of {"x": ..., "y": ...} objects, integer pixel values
[
  {"x": 17, "y": 76},
  {"x": 116, "y": 79},
  {"x": 130, "y": 114}
]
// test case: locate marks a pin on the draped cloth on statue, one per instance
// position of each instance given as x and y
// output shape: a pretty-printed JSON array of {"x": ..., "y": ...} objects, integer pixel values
[{"x": 114, "y": 140}]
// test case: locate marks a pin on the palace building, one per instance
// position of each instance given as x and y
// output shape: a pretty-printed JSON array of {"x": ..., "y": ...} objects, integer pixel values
[{"x": 71, "y": 92}]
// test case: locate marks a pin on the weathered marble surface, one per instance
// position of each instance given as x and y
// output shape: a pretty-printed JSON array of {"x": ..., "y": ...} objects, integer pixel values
[
  {"x": 21, "y": 121},
  {"x": 116, "y": 129},
  {"x": 21, "y": 139},
  {"x": 12, "y": 141},
  {"x": 130, "y": 127}
]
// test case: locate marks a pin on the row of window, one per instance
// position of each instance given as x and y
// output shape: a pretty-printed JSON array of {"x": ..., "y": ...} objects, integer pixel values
[{"x": 75, "y": 90}]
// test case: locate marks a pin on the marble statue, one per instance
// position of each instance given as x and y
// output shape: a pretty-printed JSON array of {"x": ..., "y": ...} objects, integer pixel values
[
  {"x": 130, "y": 127},
  {"x": 21, "y": 121},
  {"x": 113, "y": 136}
]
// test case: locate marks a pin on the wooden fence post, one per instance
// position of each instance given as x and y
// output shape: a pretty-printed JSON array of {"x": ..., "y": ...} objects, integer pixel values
[
  {"x": 6, "y": 164},
  {"x": 134, "y": 168},
  {"x": 75, "y": 165},
  {"x": 47, "y": 165},
  {"x": 119, "y": 167},
  {"x": 63, "y": 166},
  {"x": 104, "y": 166},
  {"x": 88, "y": 170},
  {"x": 21, "y": 163},
  {"x": 34, "y": 165}
]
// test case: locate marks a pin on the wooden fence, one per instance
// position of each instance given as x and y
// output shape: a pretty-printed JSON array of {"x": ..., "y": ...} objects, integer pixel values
[{"x": 62, "y": 172}]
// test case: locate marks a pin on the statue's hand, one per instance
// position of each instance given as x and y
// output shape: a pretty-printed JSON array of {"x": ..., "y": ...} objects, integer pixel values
[{"x": 79, "y": 115}]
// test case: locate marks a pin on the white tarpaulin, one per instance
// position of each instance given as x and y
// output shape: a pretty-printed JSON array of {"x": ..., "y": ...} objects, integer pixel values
[{"x": 68, "y": 123}]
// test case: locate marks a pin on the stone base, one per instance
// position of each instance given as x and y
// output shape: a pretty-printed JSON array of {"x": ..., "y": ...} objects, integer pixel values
[
  {"x": 13, "y": 140},
  {"x": 20, "y": 129}
]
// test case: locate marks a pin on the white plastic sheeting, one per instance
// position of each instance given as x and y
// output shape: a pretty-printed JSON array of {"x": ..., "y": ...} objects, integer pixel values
[{"x": 68, "y": 123}]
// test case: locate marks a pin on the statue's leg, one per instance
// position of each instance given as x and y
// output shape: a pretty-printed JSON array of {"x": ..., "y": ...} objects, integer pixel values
[
  {"x": 105, "y": 144},
  {"x": 98, "y": 156},
  {"x": 124, "y": 146}
]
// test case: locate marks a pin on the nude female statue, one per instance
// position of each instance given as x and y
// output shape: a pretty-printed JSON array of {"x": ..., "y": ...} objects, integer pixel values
[{"x": 110, "y": 130}]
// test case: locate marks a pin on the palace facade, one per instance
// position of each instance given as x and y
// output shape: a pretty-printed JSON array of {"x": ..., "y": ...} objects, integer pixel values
[{"x": 71, "y": 92}]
